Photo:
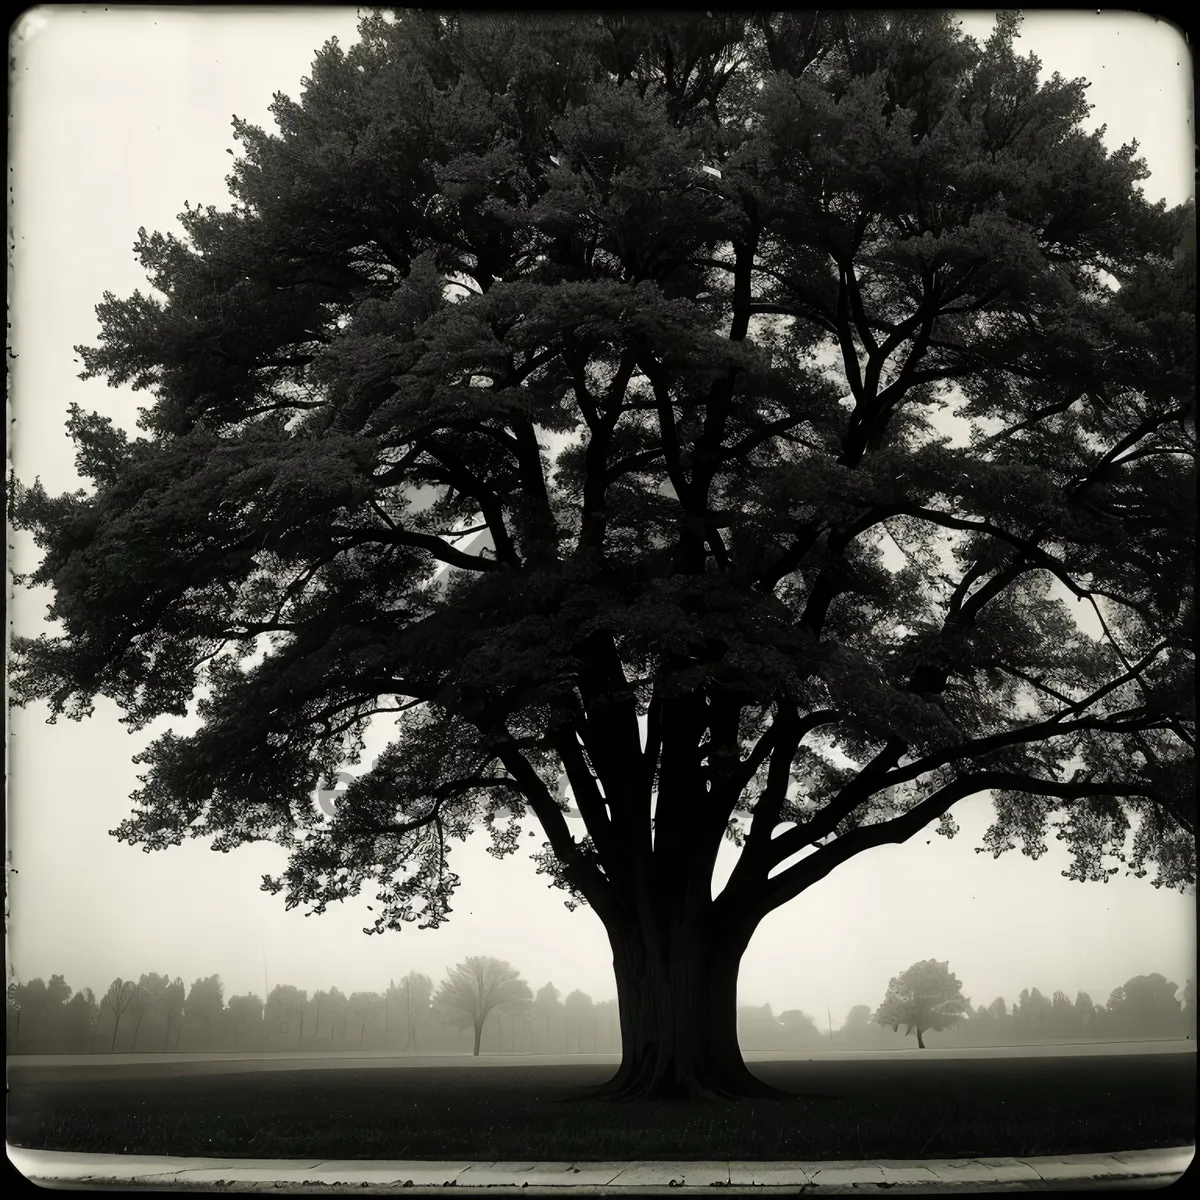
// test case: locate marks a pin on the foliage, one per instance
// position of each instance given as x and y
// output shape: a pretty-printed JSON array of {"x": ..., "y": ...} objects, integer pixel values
[{"x": 1142, "y": 1002}]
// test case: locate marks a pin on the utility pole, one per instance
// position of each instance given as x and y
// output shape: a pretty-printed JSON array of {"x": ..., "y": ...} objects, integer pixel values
[{"x": 829, "y": 1025}]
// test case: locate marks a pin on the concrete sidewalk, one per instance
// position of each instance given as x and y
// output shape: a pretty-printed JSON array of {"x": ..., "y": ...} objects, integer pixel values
[{"x": 1133, "y": 1169}]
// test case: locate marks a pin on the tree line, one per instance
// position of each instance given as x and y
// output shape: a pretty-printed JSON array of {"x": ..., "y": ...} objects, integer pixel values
[
  {"x": 484, "y": 1006},
  {"x": 928, "y": 997}
]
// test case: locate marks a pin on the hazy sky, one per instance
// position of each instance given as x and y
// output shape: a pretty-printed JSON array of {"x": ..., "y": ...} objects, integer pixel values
[{"x": 119, "y": 116}]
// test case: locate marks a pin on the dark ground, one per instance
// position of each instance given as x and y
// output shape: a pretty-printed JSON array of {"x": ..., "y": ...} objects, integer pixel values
[{"x": 897, "y": 1108}]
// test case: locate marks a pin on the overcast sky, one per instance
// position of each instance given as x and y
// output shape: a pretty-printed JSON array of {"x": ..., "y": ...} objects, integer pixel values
[{"x": 119, "y": 116}]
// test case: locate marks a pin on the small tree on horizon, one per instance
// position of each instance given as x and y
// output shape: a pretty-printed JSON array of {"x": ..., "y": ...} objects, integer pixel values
[
  {"x": 12, "y": 1011},
  {"x": 117, "y": 1000},
  {"x": 174, "y": 1002},
  {"x": 83, "y": 1015},
  {"x": 243, "y": 1011},
  {"x": 579, "y": 1011},
  {"x": 548, "y": 1007},
  {"x": 923, "y": 998},
  {"x": 858, "y": 1018},
  {"x": 140, "y": 1003},
  {"x": 205, "y": 1002},
  {"x": 773, "y": 428},
  {"x": 801, "y": 1028},
  {"x": 417, "y": 989},
  {"x": 476, "y": 987},
  {"x": 283, "y": 1004}
]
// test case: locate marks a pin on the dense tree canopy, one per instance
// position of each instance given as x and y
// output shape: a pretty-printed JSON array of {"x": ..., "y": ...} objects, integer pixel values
[{"x": 643, "y": 330}]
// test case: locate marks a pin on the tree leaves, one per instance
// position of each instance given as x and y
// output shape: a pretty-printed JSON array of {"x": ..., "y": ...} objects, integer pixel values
[{"x": 673, "y": 347}]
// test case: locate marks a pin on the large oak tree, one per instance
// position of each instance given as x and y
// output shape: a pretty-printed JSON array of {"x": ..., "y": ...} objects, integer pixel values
[{"x": 662, "y": 311}]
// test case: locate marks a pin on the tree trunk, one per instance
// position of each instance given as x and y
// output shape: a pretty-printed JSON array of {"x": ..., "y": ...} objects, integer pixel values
[
  {"x": 920, "y": 1040},
  {"x": 113, "y": 1043},
  {"x": 677, "y": 994},
  {"x": 478, "y": 1035},
  {"x": 135, "y": 1032}
]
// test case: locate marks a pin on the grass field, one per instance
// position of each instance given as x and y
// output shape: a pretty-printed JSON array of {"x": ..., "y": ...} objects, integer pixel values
[{"x": 890, "y": 1107}]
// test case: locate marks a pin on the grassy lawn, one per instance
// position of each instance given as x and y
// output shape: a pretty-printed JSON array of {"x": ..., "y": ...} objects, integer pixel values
[{"x": 898, "y": 1108}]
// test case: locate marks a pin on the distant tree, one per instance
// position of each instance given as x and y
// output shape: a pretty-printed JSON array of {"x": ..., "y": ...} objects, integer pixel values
[
  {"x": 998, "y": 1009},
  {"x": 664, "y": 304},
  {"x": 117, "y": 1000},
  {"x": 58, "y": 992},
  {"x": 1064, "y": 1020},
  {"x": 1146, "y": 1006},
  {"x": 244, "y": 1011},
  {"x": 338, "y": 1005},
  {"x": 301, "y": 1004},
  {"x": 361, "y": 1008},
  {"x": 478, "y": 986},
  {"x": 12, "y": 1011},
  {"x": 758, "y": 1027},
  {"x": 82, "y": 1016},
  {"x": 800, "y": 1029},
  {"x": 173, "y": 1001},
  {"x": 418, "y": 995},
  {"x": 1032, "y": 1015},
  {"x": 925, "y": 997},
  {"x": 607, "y": 1021},
  {"x": 284, "y": 1005},
  {"x": 1085, "y": 1012},
  {"x": 356, "y": 1012},
  {"x": 578, "y": 1015},
  {"x": 549, "y": 1009},
  {"x": 140, "y": 1003},
  {"x": 1189, "y": 1008},
  {"x": 392, "y": 995},
  {"x": 859, "y": 1017},
  {"x": 319, "y": 1004},
  {"x": 374, "y": 1013},
  {"x": 34, "y": 1002},
  {"x": 153, "y": 989},
  {"x": 205, "y": 1003}
]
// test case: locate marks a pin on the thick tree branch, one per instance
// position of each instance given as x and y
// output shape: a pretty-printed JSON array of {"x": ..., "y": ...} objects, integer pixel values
[
  {"x": 814, "y": 867},
  {"x": 1050, "y": 410},
  {"x": 440, "y": 550},
  {"x": 787, "y": 731},
  {"x": 1134, "y": 436},
  {"x": 578, "y": 868}
]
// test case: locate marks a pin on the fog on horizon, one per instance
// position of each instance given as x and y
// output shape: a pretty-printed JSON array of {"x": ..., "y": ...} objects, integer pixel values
[{"x": 119, "y": 117}]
